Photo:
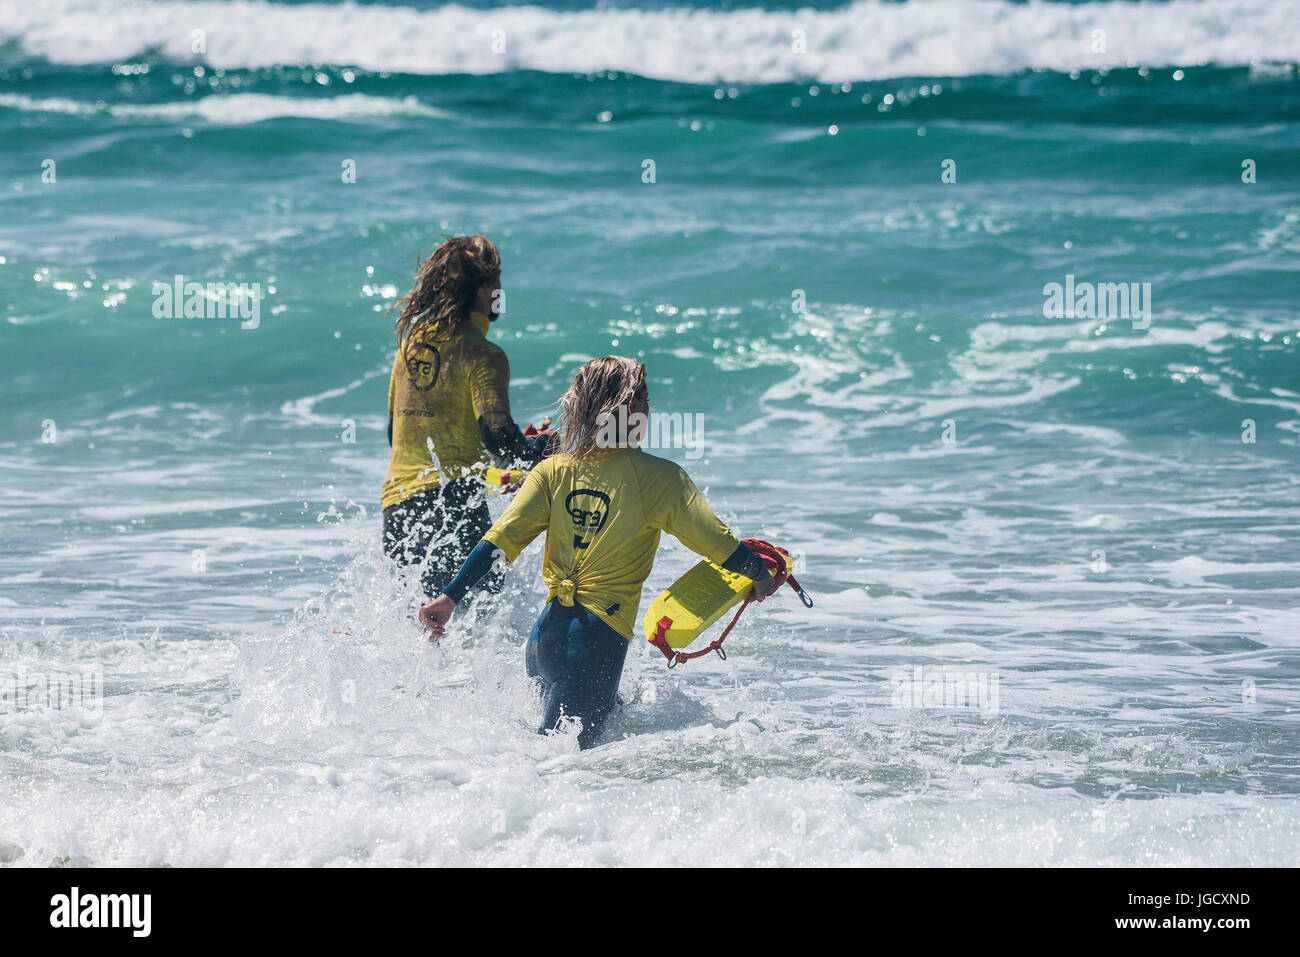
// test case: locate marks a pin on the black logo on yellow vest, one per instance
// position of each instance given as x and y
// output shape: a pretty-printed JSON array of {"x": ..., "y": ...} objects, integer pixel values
[
  {"x": 588, "y": 509},
  {"x": 422, "y": 366}
]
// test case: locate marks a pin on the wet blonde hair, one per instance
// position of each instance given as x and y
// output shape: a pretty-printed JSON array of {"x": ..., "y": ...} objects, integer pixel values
[
  {"x": 599, "y": 389},
  {"x": 446, "y": 285}
]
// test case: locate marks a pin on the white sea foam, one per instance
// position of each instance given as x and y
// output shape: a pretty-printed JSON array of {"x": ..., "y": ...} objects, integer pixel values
[
  {"x": 337, "y": 737},
  {"x": 236, "y": 108},
  {"x": 868, "y": 39}
]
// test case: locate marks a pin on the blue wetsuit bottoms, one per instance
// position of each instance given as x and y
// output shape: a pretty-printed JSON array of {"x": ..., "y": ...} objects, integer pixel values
[{"x": 579, "y": 660}]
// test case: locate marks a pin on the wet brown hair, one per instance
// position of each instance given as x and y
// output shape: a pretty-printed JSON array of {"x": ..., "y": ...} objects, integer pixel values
[
  {"x": 446, "y": 285},
  {"x": 600, "y": 387}
]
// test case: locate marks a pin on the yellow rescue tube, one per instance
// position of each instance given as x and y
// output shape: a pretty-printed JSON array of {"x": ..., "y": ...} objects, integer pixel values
[
  {"x": 499, "y": 479},
  {"x": 695, "y": 601}
]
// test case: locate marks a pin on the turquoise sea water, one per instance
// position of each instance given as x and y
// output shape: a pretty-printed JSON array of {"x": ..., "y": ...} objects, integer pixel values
[{"x": 1065, "y": 509}]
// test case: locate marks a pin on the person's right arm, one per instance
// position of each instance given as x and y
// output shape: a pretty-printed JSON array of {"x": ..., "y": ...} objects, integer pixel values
[
  {"x": 526, "y": 517},
  {"x": 392, "y": 395},
  {"x": 434, "y": 615}
]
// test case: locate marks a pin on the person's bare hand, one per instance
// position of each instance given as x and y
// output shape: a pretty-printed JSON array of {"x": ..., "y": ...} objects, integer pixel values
[{"x": 434, "y": 616}]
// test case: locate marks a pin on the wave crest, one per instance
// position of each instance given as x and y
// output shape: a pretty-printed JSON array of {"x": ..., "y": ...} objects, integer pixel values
[{"x": 865, "y": 40}]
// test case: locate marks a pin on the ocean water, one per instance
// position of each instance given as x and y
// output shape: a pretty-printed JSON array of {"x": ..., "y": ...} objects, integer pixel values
[{"x": 1054, "y": 557}]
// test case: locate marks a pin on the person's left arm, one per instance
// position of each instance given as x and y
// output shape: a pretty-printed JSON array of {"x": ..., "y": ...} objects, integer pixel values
[
  {"x": 687, "y": 517},
  {"x": 490, "y": 391}
]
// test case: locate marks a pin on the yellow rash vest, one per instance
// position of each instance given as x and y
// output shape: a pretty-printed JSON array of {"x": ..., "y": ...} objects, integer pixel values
[
  {"x": 437, "y": 392},
  {"x": 603, "y": 516}
]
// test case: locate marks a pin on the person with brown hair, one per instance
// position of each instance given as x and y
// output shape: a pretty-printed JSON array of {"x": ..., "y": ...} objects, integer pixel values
[
  {"x": 603, "y": 503},
  {"x": 448, "y": 410}
]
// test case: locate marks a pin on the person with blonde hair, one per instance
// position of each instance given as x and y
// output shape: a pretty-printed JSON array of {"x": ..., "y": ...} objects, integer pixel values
[
  {"x": 448, "y": 411},
  {"x": 602, "y": 503}
]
